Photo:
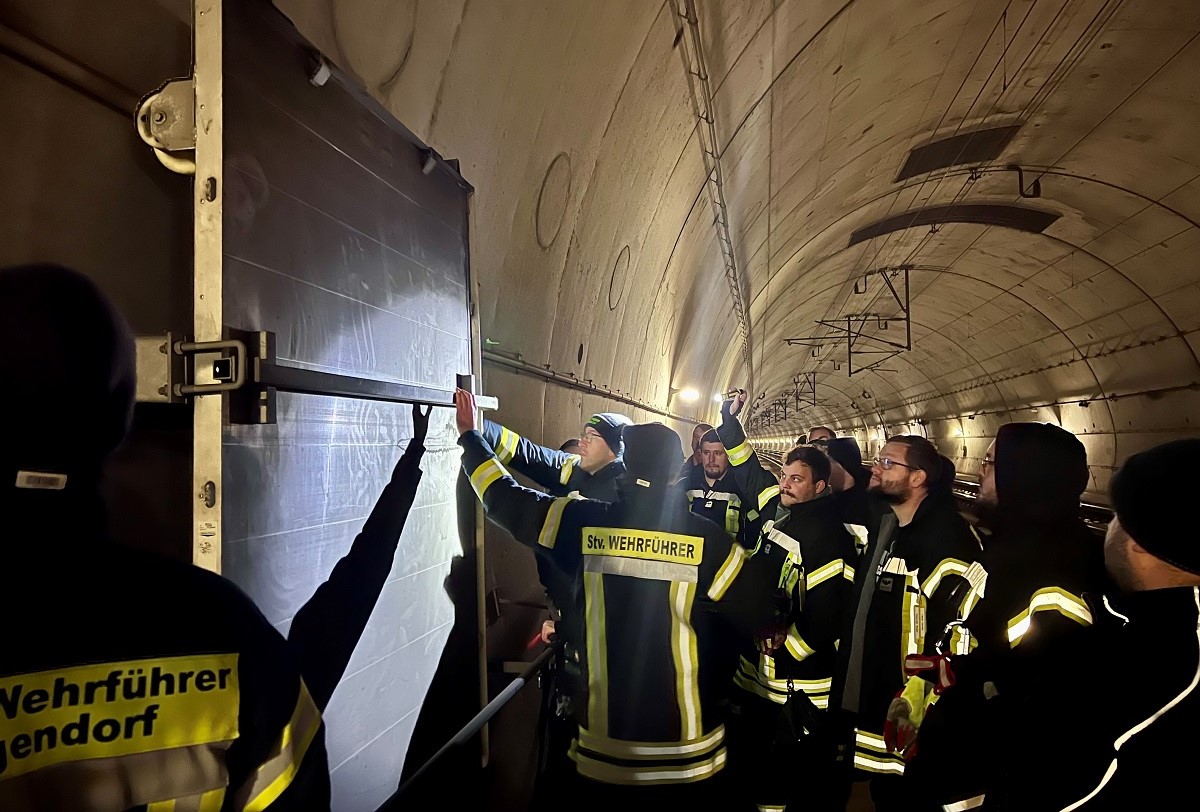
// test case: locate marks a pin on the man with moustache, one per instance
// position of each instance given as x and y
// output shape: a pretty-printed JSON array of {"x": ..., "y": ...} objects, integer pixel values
[
  {"x": 1040, "y": 563},
  {"x": 781, "y": 693},
  {"x": 1110, "y": 724},
  {"x": 909, "y": 584}
]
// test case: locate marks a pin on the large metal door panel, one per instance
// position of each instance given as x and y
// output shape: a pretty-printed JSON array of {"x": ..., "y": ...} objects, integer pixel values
[
  {"x": 82, "y": 190},
  {"x": 334, "y": 239}
]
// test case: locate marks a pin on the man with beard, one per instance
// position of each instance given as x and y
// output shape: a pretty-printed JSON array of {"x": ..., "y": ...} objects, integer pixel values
[
  {"x": 714, "y": 494},
  {"x": 1027, "y": 600},
  {"x": 1110, "y": 724},
  {"x": 781, "y": 693},
  {"x": 908, "y": 585}
]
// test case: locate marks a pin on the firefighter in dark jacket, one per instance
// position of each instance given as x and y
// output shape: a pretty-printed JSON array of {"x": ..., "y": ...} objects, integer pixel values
[
  {"x": 1111, "y": 724},
  {"x": 714, "y": 493},
  {"x": 806, "y": 553},
  {"x": 908, "y": 587},
  {"x": 1027, "y": 601},
  {"x": 653, "y": 581},
  {"x": 126, "y": 681}
]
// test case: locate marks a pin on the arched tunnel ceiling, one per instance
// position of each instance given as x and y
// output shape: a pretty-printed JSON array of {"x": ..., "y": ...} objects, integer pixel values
[{"x": 593, "y": 224}]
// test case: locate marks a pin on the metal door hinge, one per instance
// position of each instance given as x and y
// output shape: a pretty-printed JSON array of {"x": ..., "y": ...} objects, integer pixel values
[{"x": 166, "y": 121}]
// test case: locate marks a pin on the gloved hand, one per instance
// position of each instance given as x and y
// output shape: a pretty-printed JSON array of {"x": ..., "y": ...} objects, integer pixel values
[
  {"x": 899, "y": 731},
  {"x": 420, "y": 422},
  {"x": 733, "y": 405}
]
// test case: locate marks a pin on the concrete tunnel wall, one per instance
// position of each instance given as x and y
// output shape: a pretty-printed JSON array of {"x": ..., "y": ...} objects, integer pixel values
[{"x": 592, "y": 224}]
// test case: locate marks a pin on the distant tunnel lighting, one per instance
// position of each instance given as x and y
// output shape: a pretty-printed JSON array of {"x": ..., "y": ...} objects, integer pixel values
[
  {"x": 718, "y": 398},
  {"x": 689, "y": 395}
]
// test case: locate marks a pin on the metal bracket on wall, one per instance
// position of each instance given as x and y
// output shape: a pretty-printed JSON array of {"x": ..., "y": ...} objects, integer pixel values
[
  {"x": 162, "y": 372},
  {"x": 166, "y": 121},
  {"x": 255, "y": 403},
  {"x": 851, "y": 326}
]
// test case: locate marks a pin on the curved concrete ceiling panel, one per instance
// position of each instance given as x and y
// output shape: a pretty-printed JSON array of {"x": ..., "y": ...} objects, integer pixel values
[{"x": 599, "y": 248}]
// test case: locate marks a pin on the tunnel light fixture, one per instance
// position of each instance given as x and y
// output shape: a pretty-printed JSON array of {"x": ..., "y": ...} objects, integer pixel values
[
  {"x": 718, "y": 398},
  {"x": 689, "y": 395}
]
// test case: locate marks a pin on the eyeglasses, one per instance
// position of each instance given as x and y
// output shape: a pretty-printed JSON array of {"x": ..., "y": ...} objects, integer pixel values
[
  {"x": 986, "y": 463},
  {"x": 589, "y": 436},
  {"x": 886, "y": 464}
]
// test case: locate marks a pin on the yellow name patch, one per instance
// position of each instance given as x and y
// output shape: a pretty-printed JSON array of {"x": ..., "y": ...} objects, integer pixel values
[
  {"x": 648, "y": 545},
  {"x": 116, "y": 709}
]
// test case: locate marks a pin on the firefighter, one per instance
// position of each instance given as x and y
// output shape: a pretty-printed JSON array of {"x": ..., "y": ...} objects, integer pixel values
[
  {"x": 592, "y": 471},
  {"x": 782, "y": 693},
  {"x": 713, "y": 492},
  {"x": 126, "y": 681},
  {"x": 1028, "y": 599},
  {"x": 656, "y": 594},
  {"x": 1108, "y": 724},
  {"x": 908, "y": 586}
]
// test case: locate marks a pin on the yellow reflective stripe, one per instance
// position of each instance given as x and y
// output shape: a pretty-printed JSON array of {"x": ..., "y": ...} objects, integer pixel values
[
  {"x": 597, "y": 652},
  {"x": 642, "y": 775},
  {"x": 277, "y": 773},
  {"x": 660, "y": 751},
  {"x": 727, "y": 572},
  {"x": 965, "y": 805},
  {"x": 767, "y": 495},
  {"x": 756, "y": 686},
  {"x": 1049, "y": 599},
  {"x": 687, "y": 665},
  {"x": 564, "y": 476},
  {"x": 946, "y": 567},
  {"x": 962, "y": 642},
  {"x": 769, "y": 808},
  {"x": 550, "y": 527},
  {"x": 911, "y": 619},
  {"x": 822, "y": 685},
  {"x": 873, "y": 764},
  {"x": 487, "y": 473},
  {"x": 212, "y": 800},
  {"x": 740, "y": 453},
  {"x": 161, "y": 806},
  {"x": 507, "y": 448},
  {"x": 796, "y": 646},
  {"x": 823, "y": 574},
  {"x": 732, "y": 519},
  {"x": 848, "y": 573},
  {"x": 766, "y": 665},
  {"x": 869, "y": 740}
]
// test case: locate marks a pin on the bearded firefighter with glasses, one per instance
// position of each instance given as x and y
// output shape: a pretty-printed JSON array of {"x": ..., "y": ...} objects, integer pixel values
[
  {"x": 910, "y": 582},
  {"x": 781, "y": 689}
]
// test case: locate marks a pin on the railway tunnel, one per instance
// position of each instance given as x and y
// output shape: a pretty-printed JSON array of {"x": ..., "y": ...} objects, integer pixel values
[{"x": 883, "y": 217}]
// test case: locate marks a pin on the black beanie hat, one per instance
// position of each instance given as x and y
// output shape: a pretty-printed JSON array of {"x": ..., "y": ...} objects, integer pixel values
[
  {"x": 1041, "y": 470},
  {"x": 609, "y": 425},
  {"x": 651, "y": 453},
  {"x": 69, "y": 366},
  {"x": 1152, "y": 495}
]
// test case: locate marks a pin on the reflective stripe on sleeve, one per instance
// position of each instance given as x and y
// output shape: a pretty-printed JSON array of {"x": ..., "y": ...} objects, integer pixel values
[
  {"x": 550, "y": 527},
  {"x": 948, "y": 566},
  {"x": 740, "y": 453},
  {"x": 963, "y": 806},
  {"x": 727, "y": 572},
  {"x": 277, "y": 773},
  {"x": 796, "y": 645},
  {"x": 823, "y": 574},
  {"x": 767, "y": 495},
  {"x": 564, "y": 476},
  {"x": 1051, "y": 598},
  {"x": 507, "y": 448},
  {"x": 487, "y": 473}
]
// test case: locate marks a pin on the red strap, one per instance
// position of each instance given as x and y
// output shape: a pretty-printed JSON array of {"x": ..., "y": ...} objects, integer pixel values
[{"x": 920, "y": 664}]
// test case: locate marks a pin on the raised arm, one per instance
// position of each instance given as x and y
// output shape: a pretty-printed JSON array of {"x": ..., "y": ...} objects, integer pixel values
[
  {"x": 548, "y": 467},
  {"x": 327, "y": 628},
  {"x": 534, "y": 519},
  {"x": 758, "y": 484}
]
